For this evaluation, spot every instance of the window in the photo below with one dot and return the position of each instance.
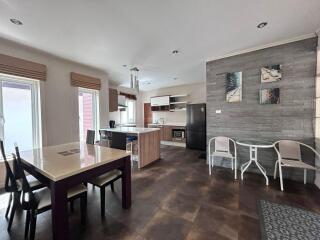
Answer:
(88, 112)
(128, 115)
(20, 114)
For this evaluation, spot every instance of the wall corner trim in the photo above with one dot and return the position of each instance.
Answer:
(274, 44)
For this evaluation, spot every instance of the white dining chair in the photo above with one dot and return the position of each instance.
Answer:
(222, 149)
(289, 155)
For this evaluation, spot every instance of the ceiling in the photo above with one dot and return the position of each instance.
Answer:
(108, 34)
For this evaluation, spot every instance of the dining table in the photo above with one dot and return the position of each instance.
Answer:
(64, 166)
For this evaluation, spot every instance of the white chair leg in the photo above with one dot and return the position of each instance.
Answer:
(235, 168)
(209, 164)
(275, 170)
(304, 176)
(280, 176)
(232, 164)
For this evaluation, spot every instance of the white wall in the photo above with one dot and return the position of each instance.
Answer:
(196, 94)
(59, 100)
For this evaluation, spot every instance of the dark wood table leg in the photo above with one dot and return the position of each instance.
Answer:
(126, 183)
(60, 227)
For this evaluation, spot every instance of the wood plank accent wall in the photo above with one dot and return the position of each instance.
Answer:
(80, 80)
(291, 119)
(22, 68)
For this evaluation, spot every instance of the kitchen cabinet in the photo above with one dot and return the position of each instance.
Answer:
(160, 101)
(167, 132)
(161, 130)
(113, 100)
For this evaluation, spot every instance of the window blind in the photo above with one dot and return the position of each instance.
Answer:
(22, 68)
(80, 80)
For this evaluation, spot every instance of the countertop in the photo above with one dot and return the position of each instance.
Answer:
(168, 124)
(135, 130)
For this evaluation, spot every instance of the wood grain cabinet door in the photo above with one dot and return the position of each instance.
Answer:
(167, 133)
(113, 100)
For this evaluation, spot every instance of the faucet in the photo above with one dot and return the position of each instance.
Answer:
(161, 120)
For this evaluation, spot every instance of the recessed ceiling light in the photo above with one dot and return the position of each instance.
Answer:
(175, 52)
(262, 25)
(16, 21)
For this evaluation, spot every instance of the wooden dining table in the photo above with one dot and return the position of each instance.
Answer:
(63, 166)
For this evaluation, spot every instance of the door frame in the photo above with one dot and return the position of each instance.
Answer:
(35, 107)
(95, 107)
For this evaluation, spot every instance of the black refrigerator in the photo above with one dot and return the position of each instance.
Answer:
(196, 126)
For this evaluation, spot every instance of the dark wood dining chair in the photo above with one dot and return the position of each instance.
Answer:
(104, 180)
(37, 202)
(90, 137)
(11, 186)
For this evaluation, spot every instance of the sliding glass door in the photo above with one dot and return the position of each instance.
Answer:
(88, 112)
(19, 113)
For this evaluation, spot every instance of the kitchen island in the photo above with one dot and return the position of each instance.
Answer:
(148, 142)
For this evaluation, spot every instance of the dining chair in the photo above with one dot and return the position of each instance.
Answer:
(39, 201)
(289, 155)
(90, 137)
(104, 180)
(105, 138)
(222, 149)
(11, 186)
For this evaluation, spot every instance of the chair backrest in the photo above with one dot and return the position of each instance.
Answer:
(105, 134)
(222, 144)
(290, 149)
(119, 140)
(10, 180)
(28, 199)
(90, 137)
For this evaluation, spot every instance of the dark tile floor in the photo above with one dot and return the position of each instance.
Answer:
(175, 198)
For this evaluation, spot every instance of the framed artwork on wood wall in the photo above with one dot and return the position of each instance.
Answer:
(270, 96)
(271, 73)
(234, 87)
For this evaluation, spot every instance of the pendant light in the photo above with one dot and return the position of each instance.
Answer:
(134, 81)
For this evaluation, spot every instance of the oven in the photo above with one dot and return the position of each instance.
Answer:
(178, 134)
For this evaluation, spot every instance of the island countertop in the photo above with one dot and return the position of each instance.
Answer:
(134, 130)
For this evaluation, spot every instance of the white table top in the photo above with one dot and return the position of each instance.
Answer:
(135, 130)
(62, 161)
(255, 143)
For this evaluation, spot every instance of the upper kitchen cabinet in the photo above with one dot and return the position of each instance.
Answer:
(161, 103)
(113, 100)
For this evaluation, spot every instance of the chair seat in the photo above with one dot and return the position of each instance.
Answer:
(222, 154)
(33, 182)
(296, 164)
(44, 195)
(105, 178)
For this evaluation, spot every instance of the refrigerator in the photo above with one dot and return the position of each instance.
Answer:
(196, 126)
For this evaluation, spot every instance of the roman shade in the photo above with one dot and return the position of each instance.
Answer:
(22, 68)
(128, 96)
(79, 80)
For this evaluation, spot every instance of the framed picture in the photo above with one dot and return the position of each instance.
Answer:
(271, 73)
(234, 87)
(270, 96)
